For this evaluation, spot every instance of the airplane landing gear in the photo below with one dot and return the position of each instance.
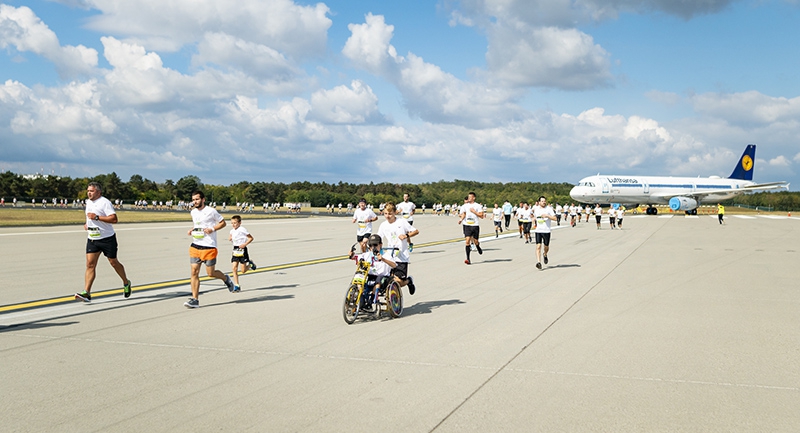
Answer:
(651, 211)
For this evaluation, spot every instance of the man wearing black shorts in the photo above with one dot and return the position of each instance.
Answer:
(471, 214)
(100, 215)
(543, 214)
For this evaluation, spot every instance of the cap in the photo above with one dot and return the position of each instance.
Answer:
(374, 240)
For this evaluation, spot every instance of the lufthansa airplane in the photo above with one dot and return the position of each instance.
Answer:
(681, 193)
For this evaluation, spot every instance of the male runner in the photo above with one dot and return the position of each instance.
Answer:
(543, 214)
(471, 214)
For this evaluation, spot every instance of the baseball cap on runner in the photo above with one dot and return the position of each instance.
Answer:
(374, 240)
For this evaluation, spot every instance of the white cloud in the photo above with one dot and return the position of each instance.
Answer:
(546, 57)
(251, 58)
(747, 107)
(780, 161)
(21, 29)
(428, 92)
(295, 30)
(345, 105)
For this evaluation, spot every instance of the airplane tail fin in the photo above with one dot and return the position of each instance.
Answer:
(744, 168)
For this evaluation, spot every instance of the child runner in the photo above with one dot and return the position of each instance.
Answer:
(240, 238)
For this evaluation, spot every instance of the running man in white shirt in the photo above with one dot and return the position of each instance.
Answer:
(543, 214)
(406, 209)
(598, 214)
(364, 218)
(207, 221)
(497, 217)
(100, 215)
(471, 214)
(524, 214)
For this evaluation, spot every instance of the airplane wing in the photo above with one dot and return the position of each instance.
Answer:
(707, 192)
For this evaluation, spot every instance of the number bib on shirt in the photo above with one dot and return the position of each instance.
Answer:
(198, 233)
(362, 224)
(238, 252)
(94, 233)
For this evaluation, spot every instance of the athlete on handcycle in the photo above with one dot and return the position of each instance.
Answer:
(380, 271)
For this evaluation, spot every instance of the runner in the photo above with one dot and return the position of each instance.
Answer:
(543, 214)
(497, 217)
(471, 214)
(407, 209)
(207, 221)
(525, 213)
(364, 218)
(396, 234)
(240, 257)
(598, 214)
(100, 215)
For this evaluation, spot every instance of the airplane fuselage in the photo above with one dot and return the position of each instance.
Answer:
(605, 189)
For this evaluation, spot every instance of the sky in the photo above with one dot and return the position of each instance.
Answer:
(406, 92)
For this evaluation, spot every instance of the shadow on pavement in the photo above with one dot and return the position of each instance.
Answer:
(428, 307)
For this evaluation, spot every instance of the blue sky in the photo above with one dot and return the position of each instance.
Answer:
(415, 91)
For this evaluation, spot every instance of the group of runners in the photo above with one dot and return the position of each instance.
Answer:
(389, 249)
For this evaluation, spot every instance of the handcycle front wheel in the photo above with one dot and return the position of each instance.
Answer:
(350, 308)
(394, 299)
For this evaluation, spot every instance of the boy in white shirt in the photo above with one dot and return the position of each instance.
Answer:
(240, 238)
(380, 267)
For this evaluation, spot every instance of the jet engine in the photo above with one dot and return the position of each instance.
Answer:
(682, 203)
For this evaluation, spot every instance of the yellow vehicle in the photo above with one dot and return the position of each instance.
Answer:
(362, 298)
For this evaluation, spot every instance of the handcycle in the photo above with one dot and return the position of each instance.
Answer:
(362, 297)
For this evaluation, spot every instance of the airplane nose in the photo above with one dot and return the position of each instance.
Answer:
(575, 193)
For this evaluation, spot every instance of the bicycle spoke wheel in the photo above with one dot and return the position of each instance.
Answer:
(350, 308)
(394, 300)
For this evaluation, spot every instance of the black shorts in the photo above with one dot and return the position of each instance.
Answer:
(526, 227)
(472, 232)
(360, 238)
(401, 270)
(543, 238)
(108, 246)
(498, 223)
(597, 218)
(243, 259)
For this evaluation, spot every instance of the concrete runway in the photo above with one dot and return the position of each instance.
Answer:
(672, 324)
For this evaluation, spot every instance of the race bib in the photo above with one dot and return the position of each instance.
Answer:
(362, 224)
(198, 233)
(94, 232)
(406, 215)
(540, 220)
(238, 252)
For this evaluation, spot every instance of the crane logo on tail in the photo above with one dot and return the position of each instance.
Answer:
(747, 163)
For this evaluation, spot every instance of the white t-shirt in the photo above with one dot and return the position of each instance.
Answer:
(497, 214)
(363, 219)
(524, 215)
(471, 218)
(208, 217)
(239, 236)
(542, 224)
(395, 249)
(99, 229)
(405, 208)
(378, 268)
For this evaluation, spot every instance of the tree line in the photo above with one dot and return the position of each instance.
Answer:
(318, 194)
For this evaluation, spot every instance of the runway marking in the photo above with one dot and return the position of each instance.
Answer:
(416, 363)
(745, 217)
(665, 216)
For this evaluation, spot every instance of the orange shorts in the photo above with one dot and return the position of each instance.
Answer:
(205, 255)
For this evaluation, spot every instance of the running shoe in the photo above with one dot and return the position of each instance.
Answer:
(253, 266)
(480, 250)
(410, 247)
(538, 266)
(466, 261)
(496, 235)
(411, 287)
(192, 303)
(545, 259)
(236, 289)
(126, 289)
(84, 296)
(229, 283)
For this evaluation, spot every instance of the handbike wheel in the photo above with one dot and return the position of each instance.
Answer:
(394, 300)
(350, 308)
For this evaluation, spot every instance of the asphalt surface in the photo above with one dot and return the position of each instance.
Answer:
(672, 324)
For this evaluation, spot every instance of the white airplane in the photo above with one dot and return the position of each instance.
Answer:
(681, 193)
